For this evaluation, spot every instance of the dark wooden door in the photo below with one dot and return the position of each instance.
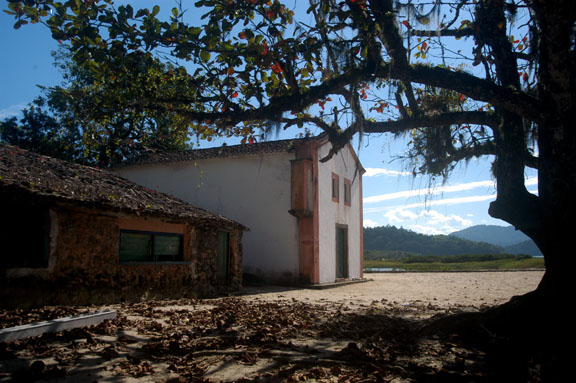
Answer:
(223, 258)
(341, 251)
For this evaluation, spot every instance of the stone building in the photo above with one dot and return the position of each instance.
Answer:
(81, 235)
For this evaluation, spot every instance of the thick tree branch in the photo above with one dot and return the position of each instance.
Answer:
(423, 121)
(466, 152)
(479, 89)
(273, 110)
(392, 40)
(483, 90)
(510, 99)
(531, 161)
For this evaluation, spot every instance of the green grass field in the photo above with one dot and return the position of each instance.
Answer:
(458, 263)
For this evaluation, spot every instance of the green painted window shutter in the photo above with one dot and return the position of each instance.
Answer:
(167, 247)
(135, 247)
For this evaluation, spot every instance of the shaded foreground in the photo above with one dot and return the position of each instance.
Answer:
(260, 339)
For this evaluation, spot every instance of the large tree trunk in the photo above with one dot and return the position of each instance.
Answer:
(557, 143)
(546, 219)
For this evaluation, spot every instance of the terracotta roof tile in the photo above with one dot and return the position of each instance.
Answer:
(264, 147)
(23, 172)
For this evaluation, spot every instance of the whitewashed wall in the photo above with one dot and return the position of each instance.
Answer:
(252, 190)
(331, 213)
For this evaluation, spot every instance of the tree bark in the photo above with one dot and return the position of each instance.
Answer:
(557, 141)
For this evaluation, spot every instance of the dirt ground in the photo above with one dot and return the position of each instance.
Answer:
(440, 289)
(362, 332)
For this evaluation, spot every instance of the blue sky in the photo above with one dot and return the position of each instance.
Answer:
(392, 196)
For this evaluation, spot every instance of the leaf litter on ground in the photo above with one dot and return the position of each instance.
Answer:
(240, 340)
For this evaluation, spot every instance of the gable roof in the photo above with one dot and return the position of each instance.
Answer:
(24, 172)
(226, 151)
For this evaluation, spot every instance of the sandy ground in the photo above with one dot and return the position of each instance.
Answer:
(441, 289)
(266, 334)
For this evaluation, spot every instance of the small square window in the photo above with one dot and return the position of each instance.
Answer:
(335, 187)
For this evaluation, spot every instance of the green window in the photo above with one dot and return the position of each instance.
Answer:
(138, 246)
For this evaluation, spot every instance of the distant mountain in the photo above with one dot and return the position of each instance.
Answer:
(392, 241)
(526, 247)
(496, 235)
(513, 241)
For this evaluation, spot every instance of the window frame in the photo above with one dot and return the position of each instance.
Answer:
(347, 192)
(152, 258)
(335, 190)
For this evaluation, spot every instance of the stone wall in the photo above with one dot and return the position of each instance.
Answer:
(84, 267)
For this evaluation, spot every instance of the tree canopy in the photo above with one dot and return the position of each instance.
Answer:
(253, 63)
(356, 67)
(72, 122)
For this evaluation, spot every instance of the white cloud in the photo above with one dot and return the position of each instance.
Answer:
(433, 191)
(372, 172)
(439, 219)
(371, 223)
(427, 221)
(455, 201)
(432, 217)
(426, 230)
(531, 181)
(395, 211)
(12, 111)
(400, 215)
(389, 196)
(444, 201)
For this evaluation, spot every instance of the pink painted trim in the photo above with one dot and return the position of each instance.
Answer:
(316, 215)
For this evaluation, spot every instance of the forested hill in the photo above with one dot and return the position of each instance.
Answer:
(392, 241)
(497, 235)
(513, 241)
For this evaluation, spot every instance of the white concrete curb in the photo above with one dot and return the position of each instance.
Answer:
(56, 325)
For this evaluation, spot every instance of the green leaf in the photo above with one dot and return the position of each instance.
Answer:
(205, 56)
(19, 23)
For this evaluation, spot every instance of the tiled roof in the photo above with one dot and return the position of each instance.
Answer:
(25, 172)
(264, 147)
